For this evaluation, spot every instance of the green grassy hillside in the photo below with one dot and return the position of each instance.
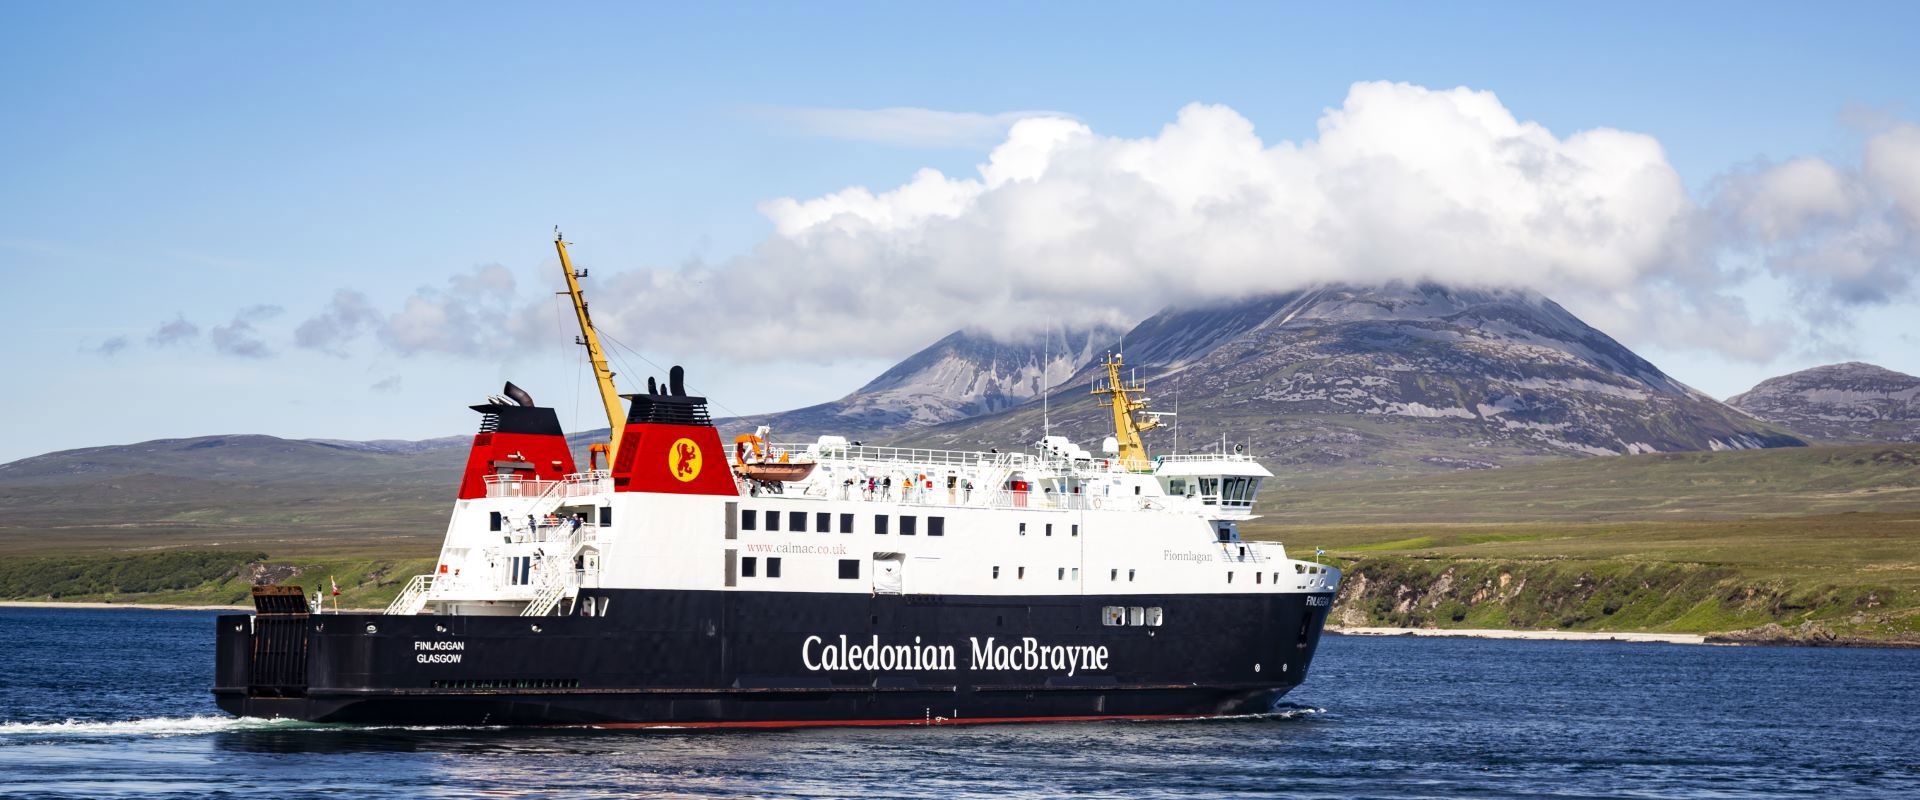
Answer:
(1822, 541)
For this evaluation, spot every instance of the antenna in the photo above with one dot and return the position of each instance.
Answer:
(1176, 415)
(1046, 382)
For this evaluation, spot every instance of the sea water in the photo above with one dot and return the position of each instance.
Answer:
(114, 703)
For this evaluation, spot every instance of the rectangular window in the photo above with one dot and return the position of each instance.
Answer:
(1023, 529)
(1155, 617)
(1023, 574)
(909, 525)
(1229, 576)
(849, 569)
(1076, 530)
(493, 520)
(773, 567)
(936, 526)
(996, 573)
(749, 520)
(773, 520)
(1136, 615)
(1049, 529)
(880, 524)
(1259, 577)
(606, 521)
(749, 567)
(1129, 576)
(1114, 575)
(846, 523)
(732, 561)
(823, 522)
(1111, 616)
(1062, 576)
(1076, 573)
(797, 521)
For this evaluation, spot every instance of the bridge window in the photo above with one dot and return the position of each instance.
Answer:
(748, 520)
(797, 521)
(936, 526)
(773, 567)
(750, 567)
(849, 569)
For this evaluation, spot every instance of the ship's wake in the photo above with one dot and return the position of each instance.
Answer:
(149, 726)
(159, 727)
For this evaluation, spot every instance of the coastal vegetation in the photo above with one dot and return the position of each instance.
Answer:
(1802, 544)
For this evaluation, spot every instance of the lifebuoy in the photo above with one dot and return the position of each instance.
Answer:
(740, 445)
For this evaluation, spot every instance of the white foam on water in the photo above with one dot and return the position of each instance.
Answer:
(150, 726)
(190, 726)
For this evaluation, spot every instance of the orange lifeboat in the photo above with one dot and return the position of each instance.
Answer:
(750, 461)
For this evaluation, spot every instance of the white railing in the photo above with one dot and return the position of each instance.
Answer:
(869, 454)
(579, 484)
(1191, 457)
(413, 598)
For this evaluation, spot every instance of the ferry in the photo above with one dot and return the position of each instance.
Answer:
(678, 582)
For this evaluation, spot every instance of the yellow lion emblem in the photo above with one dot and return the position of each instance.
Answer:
(683, 460)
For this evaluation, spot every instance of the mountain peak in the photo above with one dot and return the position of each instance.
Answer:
(1847, 402)
(1400, 377)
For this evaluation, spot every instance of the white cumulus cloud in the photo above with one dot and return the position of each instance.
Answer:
(1401, 183)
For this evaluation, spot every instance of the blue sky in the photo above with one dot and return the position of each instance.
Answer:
(190, 162)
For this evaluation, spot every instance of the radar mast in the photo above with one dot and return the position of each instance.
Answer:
(1128, 403)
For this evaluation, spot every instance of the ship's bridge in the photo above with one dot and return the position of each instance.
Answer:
(1229, 481)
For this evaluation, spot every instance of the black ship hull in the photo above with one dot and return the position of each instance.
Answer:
(694, 659)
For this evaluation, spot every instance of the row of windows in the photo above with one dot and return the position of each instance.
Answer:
(1020, 574)
(796, 522)
(1113, 616)
(1061, 573)
(750, 567)
(1049, 528)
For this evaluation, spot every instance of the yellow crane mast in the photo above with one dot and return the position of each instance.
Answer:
(1127, 403)
(610, 397)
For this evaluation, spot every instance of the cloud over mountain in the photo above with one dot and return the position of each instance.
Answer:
(1401, 183)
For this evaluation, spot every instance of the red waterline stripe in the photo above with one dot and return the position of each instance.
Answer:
(884, 723)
